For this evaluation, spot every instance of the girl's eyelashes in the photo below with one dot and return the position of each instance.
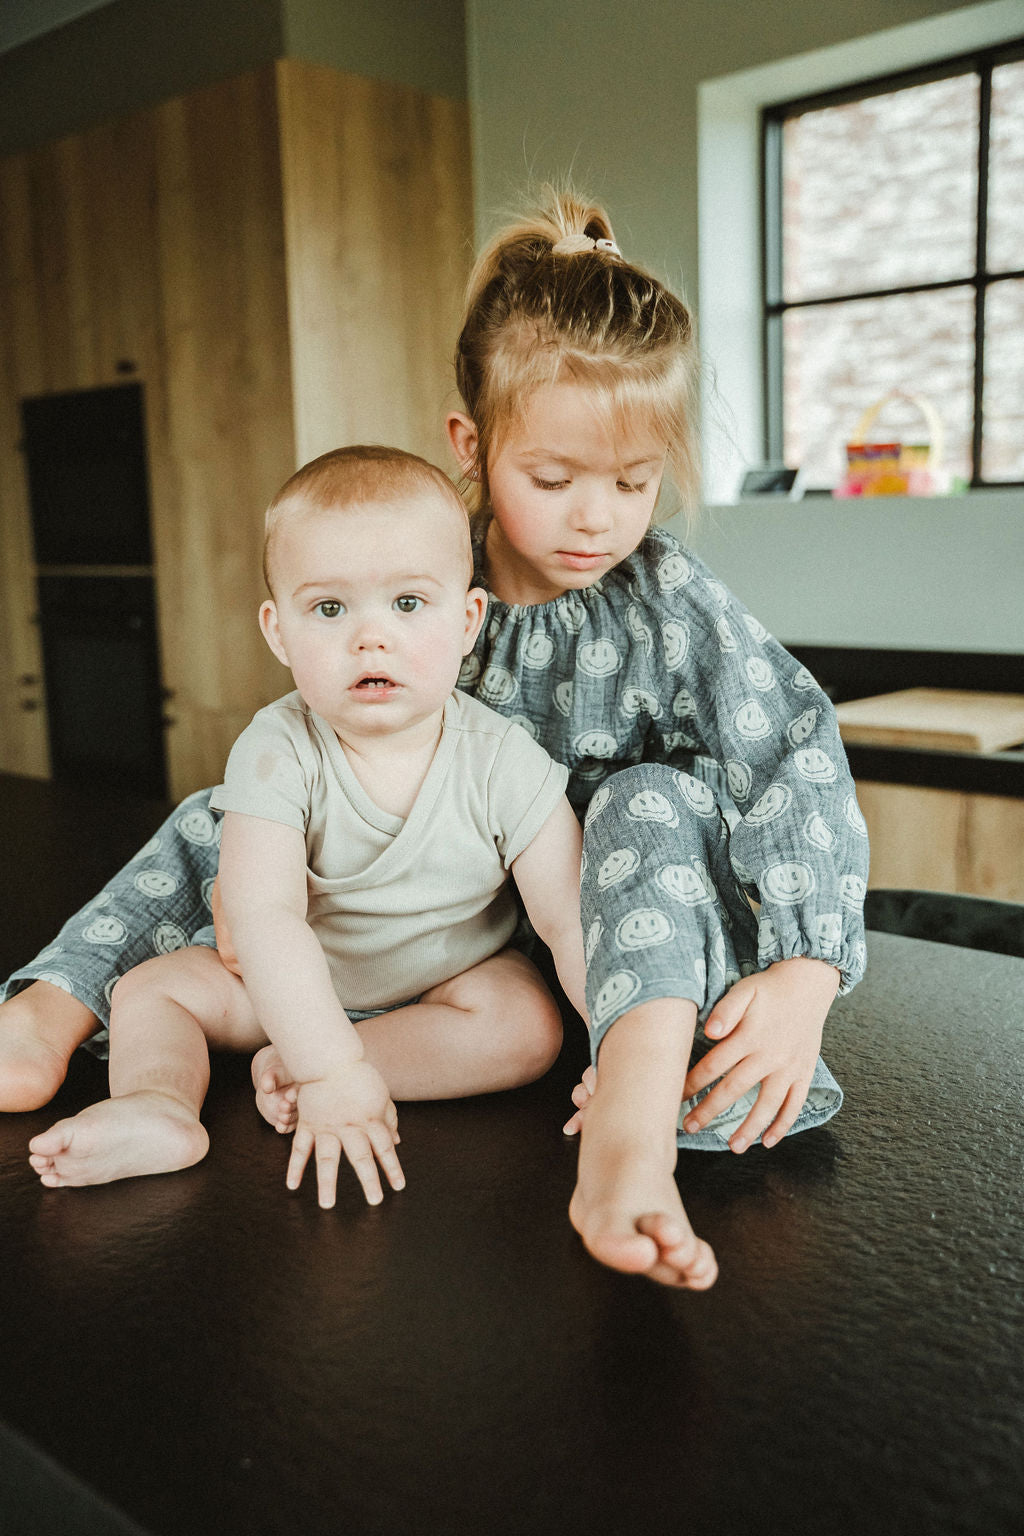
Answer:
(635, 488)
(548, 485)
(329, 608)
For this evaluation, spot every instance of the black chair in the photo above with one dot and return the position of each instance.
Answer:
(972, 922)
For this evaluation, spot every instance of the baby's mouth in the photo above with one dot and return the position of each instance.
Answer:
(374, 682)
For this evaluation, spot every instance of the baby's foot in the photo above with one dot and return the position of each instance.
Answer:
(277, 1094)
(119, 1139)
(39, 1029)
(628, 1211)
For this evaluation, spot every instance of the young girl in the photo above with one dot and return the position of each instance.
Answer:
(724, 854)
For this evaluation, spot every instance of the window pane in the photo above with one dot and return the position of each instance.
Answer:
(882, 192)
(1006, 170)
(840, 358)
(1003, 400)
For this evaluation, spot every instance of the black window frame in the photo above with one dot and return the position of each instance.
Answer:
(979, 61)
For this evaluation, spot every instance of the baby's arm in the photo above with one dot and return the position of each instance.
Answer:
(547, 874)
(343, 1102)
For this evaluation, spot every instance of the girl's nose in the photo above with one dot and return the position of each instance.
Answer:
(592, 513)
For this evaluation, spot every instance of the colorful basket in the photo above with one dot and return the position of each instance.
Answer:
(875, 468)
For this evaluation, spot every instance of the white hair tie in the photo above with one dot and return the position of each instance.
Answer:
(577, 245)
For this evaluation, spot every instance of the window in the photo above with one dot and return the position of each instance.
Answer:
(894, 260)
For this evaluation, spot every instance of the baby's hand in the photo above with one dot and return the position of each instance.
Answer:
(349, 1110)
(276, 1090)
(581, 1097)
(768, 1026)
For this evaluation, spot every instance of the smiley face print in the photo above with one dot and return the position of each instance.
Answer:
(617, 993)
(755, 628)
(692, 885)
(596, 744)
(852, 890)
(156, 882)
(828, 929)
(800, 729)
(649, 805)
(684, 705)
(640, 631)
(675, 637)
(469, 672)
(854, 816)
(773, 803)
(598, 658)
(700, 797)
(643, 928)
(639, 701)
(168, 937)
(105, 930)
(802, 679)
(618, 866)
(593, 939)
(740, 778)
(198, 826)
(751, 721)
(538, 651)
(673, 571)
(815, 766)
(759, 674)
(497, 686)
(571, 613)
(147, 850)
(818, 833)
(726, 638)
(789, 883)
(597, 804)
(563, 699)
(717, 591)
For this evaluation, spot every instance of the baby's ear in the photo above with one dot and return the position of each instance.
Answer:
(272, 631)
(463, 436)
(476, 607)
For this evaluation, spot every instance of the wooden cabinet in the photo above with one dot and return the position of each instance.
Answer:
(279, 260)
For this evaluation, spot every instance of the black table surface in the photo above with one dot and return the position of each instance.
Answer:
(206, 1353)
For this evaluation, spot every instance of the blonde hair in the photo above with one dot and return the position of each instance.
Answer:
(546, 303)
(356, 476)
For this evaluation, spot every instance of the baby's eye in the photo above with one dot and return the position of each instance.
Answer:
(548, 485)
(407, 603)
(330, 608)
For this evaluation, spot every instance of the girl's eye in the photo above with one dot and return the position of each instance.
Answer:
(635, 488)
(407, 603)
(330, 608)
(548, 485)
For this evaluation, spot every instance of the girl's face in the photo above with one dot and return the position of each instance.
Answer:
(569, 500)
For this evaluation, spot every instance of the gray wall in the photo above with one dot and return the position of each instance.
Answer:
(608, 88)
(135, 53)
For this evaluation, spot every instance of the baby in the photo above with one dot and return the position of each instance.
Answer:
(371, 819)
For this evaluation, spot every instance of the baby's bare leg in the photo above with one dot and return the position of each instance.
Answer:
(40, 1027)
(163, 1015)
(492, 1027)
(626, 1205)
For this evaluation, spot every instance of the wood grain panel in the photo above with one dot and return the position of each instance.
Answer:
(377, 205)
(943, 840)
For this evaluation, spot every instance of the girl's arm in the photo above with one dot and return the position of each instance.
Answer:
(547, 874)
(343, 1104)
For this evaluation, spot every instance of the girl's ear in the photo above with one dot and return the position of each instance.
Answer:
(476, 607)
(462, 435)
(272, 631)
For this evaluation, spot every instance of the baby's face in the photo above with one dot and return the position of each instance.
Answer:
(371, 612)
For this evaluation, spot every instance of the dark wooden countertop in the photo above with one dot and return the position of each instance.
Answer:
(209, 1354)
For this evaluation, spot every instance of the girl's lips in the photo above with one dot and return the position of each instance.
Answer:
(576, 560)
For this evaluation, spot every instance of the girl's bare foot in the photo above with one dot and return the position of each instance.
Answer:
(119, 1138)
(40, 1027)
(277, 1095)
(628, 1211)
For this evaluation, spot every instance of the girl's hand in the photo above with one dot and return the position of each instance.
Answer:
(768, 1026)
(349, 1110)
